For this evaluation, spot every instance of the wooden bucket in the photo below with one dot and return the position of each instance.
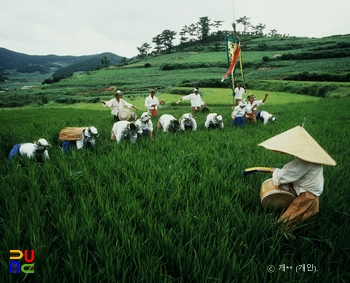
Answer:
(273, 197)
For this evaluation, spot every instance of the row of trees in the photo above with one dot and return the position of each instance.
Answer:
(189, 33)
(200, 31)
(257, 30)
(163, 41)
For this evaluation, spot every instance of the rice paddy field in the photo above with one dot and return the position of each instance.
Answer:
(174, 208)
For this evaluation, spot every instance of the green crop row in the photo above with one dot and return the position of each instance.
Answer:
(172, 209)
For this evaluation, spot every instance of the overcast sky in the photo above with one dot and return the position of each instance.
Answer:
(84, 27)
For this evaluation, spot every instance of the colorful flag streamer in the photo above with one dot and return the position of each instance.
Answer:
(233, 50)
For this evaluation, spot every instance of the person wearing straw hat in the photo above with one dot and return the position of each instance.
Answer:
(145, 124)
(196, 100)
(151, 103)
(116, 104)
(305, 172)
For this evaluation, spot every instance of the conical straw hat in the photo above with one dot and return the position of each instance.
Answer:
(298, 142)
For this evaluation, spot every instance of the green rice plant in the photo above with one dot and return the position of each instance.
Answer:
(174, 208)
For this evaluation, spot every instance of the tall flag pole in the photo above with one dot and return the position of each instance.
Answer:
(233, 51)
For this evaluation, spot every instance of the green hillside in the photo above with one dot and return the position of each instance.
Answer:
(24, 63)
(18, 69)
(91, 63)
(312, 66)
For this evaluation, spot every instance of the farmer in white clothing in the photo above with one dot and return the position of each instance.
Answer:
(238, 93)
(78, 137)
(238, 114)
(305, 172)
(151, 103)
(38, 149)
(124, 129)
(252, 107)
(265, 117)
(168, 123)
(214, 120)
(196, 100)
(187, 121)
(116, 104)
(145, 124)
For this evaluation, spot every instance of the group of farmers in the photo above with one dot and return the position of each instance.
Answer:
(122, 114)
(247, 110)
(242, 110)
(304, 173)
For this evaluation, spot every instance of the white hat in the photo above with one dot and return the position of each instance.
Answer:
(118, 92)
(298, 142)
(196, 89)
(144, 117)
(42, 143)
(217, 118)
(91, 131)
(242, 103)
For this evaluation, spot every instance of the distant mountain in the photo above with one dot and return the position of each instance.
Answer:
(48, 64)
(88, 64)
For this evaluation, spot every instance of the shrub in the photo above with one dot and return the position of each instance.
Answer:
(265, 59)
(94, 100)
(306, 76)
(44, 100)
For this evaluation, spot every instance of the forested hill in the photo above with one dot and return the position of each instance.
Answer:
(48, 64)
(92, 63)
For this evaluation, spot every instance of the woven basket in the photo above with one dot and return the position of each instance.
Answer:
(71, 133)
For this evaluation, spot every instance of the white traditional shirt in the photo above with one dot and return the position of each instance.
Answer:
(305, 176)
(210, 121)
(30, 150)
(117, 106)
(119, 131)
(238, 112)
(144, 125)
(265, 116)
(187, 120)
(239, 92)
(196, 99)
(85, 140)
(164, 120)
(149, 101)
(253, 106)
